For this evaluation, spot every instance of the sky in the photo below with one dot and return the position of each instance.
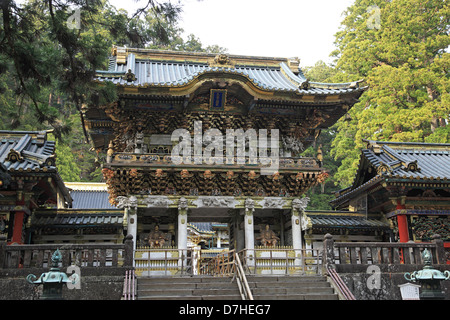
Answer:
(268, 28)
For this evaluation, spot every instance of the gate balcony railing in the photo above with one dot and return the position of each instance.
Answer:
(281, 260)
(164, 261)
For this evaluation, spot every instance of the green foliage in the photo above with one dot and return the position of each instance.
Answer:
(406, 66)
(66, 163)
(320, 72)
(49, 51)
(320, 195)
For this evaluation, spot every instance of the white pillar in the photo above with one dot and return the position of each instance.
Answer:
(296, 230)
(298, 207)
(182, 231)
(296, 236)
(249, 232)
(131, 215)
(219, 234)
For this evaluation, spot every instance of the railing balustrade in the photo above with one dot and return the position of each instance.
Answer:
(165, 261)
(166, 159)
(223, 264)
(282, 261)
(382, 252)
(241, 279)
(82, 255)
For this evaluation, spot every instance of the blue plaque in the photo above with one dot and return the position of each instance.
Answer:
(218, 98)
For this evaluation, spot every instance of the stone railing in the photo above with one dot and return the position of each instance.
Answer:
(82, 255)
(381, 252)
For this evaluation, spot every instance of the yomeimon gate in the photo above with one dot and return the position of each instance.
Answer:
(168, 100)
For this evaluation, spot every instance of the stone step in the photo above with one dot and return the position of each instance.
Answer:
(208, 285)
(222, 297)
(285, 279)
(165, 292)
(297, 297)
(211, 288)
(291, 288)
(195, 279)
(187, 292)
(280, 290)
(206, 297)
(288, 284)
(187, 288)
(169, 297)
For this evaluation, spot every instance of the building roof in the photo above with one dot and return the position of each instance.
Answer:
(346, 221)
(75, 218)
(202, 227)
(409, 160)
(89, 195)
(29, 152)
(155, 68)
(398, 161)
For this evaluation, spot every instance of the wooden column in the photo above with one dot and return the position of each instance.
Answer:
(402, 223)
(18, 227)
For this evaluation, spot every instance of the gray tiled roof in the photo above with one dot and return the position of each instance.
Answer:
(26, 151)
(424, 162)
(347, 222)
(29, 152)
(175, 74)
(401, 159)
(83, 219)
(90, 200)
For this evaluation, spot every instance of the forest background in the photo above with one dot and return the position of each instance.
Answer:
(50, 49)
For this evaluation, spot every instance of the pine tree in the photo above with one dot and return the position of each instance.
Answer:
(404, 61)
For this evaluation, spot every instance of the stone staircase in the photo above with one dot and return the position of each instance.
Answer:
(291, 288)
(222, 288)
(187, 288)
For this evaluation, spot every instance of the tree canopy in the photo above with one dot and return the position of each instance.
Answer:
(404, 60)
(50, 50)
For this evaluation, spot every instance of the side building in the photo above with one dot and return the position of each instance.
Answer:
(405, 184)
(29, 180)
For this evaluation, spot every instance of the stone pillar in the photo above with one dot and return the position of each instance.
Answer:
(129, 204)
(249, 231)
(129, 251)
(182, 230)
(182, 223)
(296, 230)
(328, 250)
(298, 208)
(219, 233)
(131, 214)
